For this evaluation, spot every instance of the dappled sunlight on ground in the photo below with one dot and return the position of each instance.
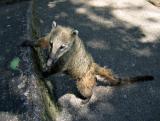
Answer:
(93, 3)
(100, 44)
(147, 18)
(94, 17)
(136, 13)
(52, 4)
(71, 103)
(146, 52)
(9, 116)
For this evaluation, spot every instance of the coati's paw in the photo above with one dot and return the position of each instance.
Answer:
(85, 101)
(27, 43)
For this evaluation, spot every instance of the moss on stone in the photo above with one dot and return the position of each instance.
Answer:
(14, 63)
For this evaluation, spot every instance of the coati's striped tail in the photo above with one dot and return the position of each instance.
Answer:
(124, 80)
(114, 80)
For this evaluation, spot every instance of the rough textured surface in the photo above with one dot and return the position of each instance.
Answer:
(20, 99)
(122, 35)
(11, 1)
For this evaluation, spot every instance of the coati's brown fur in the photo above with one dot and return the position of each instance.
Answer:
(75, 60)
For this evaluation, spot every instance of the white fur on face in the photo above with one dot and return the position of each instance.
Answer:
(54, 24)
(49, 62)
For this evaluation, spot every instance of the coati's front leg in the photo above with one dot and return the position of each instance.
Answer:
(28, 43)
(42, 43)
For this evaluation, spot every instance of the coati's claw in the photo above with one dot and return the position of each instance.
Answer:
(85, 101)
(27, 43)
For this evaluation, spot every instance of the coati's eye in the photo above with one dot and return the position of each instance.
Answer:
(50, 45)
(51, 42)
(62, 47)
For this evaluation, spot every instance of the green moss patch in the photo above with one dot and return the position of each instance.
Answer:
(14, 64)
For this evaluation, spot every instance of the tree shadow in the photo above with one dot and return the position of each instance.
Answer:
(11, 102)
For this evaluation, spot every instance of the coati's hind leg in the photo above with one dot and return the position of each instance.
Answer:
(85, 86)
(107, 74)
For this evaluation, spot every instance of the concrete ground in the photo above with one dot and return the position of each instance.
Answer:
(123, 35)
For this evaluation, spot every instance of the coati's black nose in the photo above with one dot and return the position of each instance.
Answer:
(51, 60)
(50, 63)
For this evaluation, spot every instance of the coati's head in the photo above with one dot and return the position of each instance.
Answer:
(58, 41)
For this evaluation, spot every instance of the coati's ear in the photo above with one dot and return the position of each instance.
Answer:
(75, 32)
(54, 24)
(43, 42)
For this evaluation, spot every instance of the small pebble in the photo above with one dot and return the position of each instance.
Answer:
(125, 96)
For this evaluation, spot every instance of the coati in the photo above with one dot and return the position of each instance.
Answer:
(67, 54)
